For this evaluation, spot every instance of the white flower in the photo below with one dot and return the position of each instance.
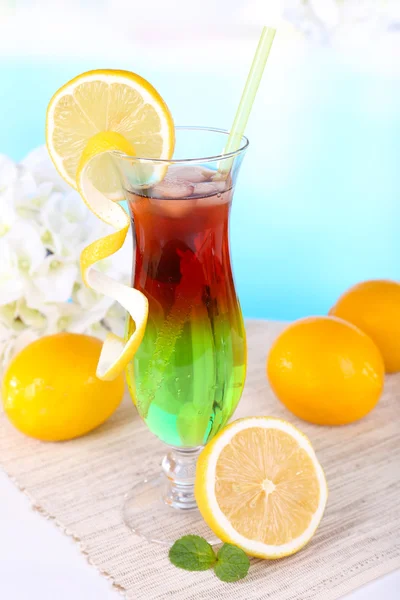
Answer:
(30, 317)
(22, 197)
(24, 241)
(52, 281)
(63, 316)
(34, 181)
(5, 333)
(9, 317)
(66, 218)
(26, 194)
(89, 299)
(38, 162)
(8, 214)
(30, 196)
(8, 314)
(17, 316)
(44, 226)
(8, 172)
(11, 281)
(325, 20)
(30, 207)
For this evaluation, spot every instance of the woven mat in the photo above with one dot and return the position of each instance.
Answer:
(81, 484)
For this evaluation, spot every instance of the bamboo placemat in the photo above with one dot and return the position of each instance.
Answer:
(80, 485)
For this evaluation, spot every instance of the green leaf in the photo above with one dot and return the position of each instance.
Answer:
(193, 553)
(232, 563)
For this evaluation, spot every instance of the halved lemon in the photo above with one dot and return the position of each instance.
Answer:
(90, 119)
(106, 100)
(259, 486)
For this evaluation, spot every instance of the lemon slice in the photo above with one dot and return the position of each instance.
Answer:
(260, 486)
(90, 119)
(106, 100)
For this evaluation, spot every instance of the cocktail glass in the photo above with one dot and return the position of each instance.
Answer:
(188, 374)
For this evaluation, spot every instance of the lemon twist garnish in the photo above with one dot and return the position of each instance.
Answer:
(116, 353)
(89, 119)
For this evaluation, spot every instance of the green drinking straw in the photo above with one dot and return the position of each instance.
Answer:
(248, 95)
(175, 321)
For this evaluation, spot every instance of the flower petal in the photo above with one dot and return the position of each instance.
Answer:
(55, 279)
(31, 317)
(8, 171)
(39, 163)
(24, 240)
(8, 215)
(11, 281)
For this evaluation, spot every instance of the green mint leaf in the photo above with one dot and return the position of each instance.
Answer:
(193, 553)
(232, 563)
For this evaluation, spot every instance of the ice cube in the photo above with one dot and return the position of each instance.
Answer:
(172, 187)
(174, 208)
(208, 188)
(191, 174)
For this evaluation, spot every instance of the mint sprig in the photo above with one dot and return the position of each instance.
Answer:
(194, 553)
(232, 563)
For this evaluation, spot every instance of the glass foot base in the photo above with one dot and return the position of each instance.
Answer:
(148, 513)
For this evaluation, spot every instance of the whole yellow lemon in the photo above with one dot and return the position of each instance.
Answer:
(374, 307)
(326, 371)
(50, 390)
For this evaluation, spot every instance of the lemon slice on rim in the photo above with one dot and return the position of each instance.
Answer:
(89, 119)
(260, 486)
(106, 100)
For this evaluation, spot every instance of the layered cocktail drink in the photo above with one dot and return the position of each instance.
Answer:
(188, 374)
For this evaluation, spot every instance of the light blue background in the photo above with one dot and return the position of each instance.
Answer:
(317, 204)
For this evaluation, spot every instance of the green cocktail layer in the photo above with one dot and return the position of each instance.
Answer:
(188, 374)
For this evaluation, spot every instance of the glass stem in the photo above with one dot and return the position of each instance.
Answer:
(179, 466)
